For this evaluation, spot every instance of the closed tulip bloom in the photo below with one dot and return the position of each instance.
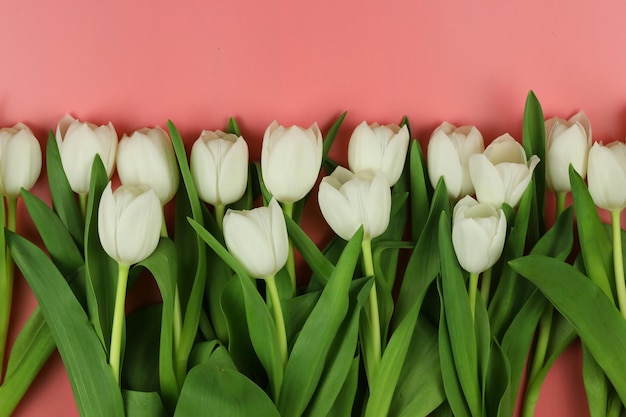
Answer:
(349, 201)
(79, 142)
(20, 159)
(146, 157)
(606, 175)
(567, 142)
(478, 234)
(377, 148)
(291, 158)
(449, 150)
(129, 223)
(501, 174)
(258, 239)
(219, 167)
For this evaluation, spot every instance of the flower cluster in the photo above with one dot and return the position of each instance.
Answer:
(442, 292)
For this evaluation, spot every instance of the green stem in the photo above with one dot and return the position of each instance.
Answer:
(220, 209)
(164, 227)
(618, 265)
(485, 286)
(82, 202)
(291, 263)
(471, 292)
(560, 204)
(279, 320)
(118, 320)
(373, 352)
(538, 362)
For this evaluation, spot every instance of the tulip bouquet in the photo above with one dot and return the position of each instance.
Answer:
(442, 290)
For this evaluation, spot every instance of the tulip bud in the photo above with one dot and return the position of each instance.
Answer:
(478, 233)
(20, 159)
(501, 174)
(449, 150)
(219, 167)
(349, 201)
(258, 239)
(147, 158)
(79, 142)
(377, 148)
(290, 160)
(129, 223)
(567, 142)
(606, 175)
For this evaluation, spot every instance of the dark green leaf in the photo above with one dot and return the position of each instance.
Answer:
(329, 139)
(141, 359)
(233, 127)
(143, 404)
(95, 390)
(419, 190)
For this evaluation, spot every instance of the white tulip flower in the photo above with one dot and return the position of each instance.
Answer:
(501, 174)
(449, 150)
(129, 223)
(377, 148)
(606, 175)
(219, 167)
(20, 160)
(258, 239)
(291, 159)
(349, 201)
(146, 157)
(79, 142)
(567, 142)
(478, 234)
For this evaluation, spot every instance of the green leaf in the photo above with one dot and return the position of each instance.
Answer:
(343, 405)
(101, 268)
(162, 264)
(309, 353)
(233, 127)
(459, 320)
(338, 368)
(420, 387)
(597, 386)
(141, 359)
(497, 381)
(214, 391)
(30, 351)
(329, 139)
(595, 243)
(534, 141)
(57, 239)
(143, 404)
(419, 189)
(95, 390)
(63, 198)
(191, 310)
(575, 296)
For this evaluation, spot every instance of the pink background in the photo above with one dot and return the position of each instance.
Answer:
(138, 63)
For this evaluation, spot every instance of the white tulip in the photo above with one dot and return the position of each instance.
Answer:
(146, 157)
(258, 239)
(606, 175)
(478, 234)
(20, 159)
(349, 201)
(129, 223)
(79, 142)
(377, 148)
(449, 150)
(501, 174)
(567, 142)
(290, 160)
(219, 167)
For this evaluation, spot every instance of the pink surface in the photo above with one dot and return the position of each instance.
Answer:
(138, 63)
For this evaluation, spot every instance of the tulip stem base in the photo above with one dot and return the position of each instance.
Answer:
(220, 209)
(485, 286)
(279, 320)
(82, 203)
(471, 292)
(560, 204)
(118, 320)
(618, 264)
